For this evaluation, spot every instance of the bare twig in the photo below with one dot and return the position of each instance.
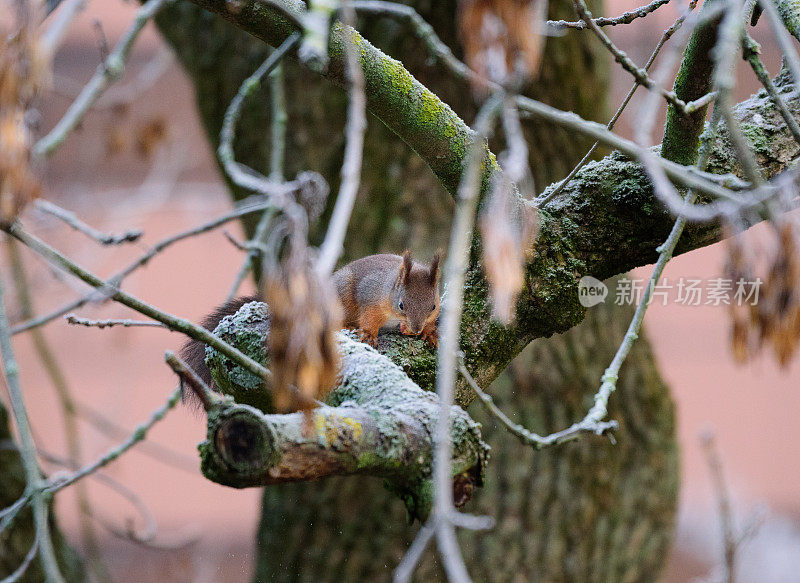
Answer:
(540, 202)
(425, 32)
(89, 323)
(783, 37)
(245, 207)
(687, 176)
(528, 437)
(207, 397)
(278, 121)
(68, 410)
(73, 221)
(726, 53)
(19, 572)
(624, 18)
(639, 74)
(405, 569)
(239, 174)
(138, 435)
(331, 247)
(152, 449)
(27, 451)
(124, 93)
(174, 323)
(441, 521)
(52, 37)
(729, 536)
(751, 52)
(108, 72)
(703, 182)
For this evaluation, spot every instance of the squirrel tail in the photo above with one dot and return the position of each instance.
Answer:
(193, 352)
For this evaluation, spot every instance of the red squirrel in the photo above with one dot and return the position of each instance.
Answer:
(375, 291)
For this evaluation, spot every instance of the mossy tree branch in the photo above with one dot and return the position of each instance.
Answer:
(682, 132)
(377, 422)
(607, 221)
(394, 96)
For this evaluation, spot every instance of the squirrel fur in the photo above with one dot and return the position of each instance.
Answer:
(375, 292)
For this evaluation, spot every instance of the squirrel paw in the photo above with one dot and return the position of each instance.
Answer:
(431, 337)
(369, 338)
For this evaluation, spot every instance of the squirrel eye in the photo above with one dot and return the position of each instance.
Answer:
(400, 305)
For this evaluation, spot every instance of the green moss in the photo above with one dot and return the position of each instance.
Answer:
(789, 11)
(247, 330)
(757, 137)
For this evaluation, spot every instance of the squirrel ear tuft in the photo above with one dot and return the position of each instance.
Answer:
(405, 268)
(434, 270)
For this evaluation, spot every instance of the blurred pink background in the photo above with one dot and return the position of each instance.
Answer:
(752, 409)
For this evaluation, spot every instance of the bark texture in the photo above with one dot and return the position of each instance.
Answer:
(585, 511)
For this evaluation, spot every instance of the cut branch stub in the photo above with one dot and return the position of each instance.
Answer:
(377, 422)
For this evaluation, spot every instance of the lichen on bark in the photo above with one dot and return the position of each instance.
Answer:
(375, 421)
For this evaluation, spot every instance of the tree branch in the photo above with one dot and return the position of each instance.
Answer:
(606, 221)
(376, 422)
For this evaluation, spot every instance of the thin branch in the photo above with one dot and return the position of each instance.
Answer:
(704, 182)
(639, 74)
(27, 450)
(124, 93)
(726, 53)
(452, 305)
(73, 221)
(278, 121)
(540, 202)
(245, 207)
(426, 33)
(68, 410)
(405, 570)
(174, 323)
(729, 537)
(19, 572)
(107, 72)
(624, 18)
(457, 258)
(528, 437)
(51, 38)
(332, 247)
(89, 323)
(239, 174)
(138, 435)
(783, 37)
(609, 379)
(751, 52)
(152, 449)
(207, 397)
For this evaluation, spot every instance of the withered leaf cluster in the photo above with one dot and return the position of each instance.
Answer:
(502, 39)
(305, 315)
(508, 230)
(23, 68)
(773, 320)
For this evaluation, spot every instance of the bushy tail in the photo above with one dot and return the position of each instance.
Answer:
(194, 351)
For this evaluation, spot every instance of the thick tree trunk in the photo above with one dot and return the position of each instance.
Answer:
(584, 511)
(16, 541)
